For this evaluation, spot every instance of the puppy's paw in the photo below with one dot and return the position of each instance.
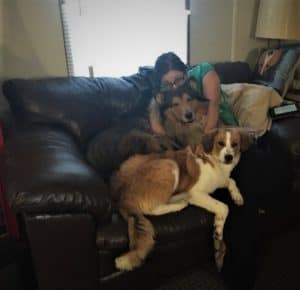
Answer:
(238, 199)
(123, 263)
(220, 219)
(220, 251)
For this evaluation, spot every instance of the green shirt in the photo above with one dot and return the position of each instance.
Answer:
(225, 112)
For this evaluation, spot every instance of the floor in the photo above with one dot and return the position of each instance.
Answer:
(280, 270)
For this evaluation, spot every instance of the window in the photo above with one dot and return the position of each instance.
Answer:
(115, 37)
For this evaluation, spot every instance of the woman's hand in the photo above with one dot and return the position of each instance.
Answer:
(155, 120)
(157, 127)
(211, 90)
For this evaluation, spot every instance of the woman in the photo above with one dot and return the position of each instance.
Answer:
(171, 72)
(242, 229)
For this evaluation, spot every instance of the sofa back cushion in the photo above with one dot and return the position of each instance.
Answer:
(233, 72)
(85, 106)
(81, 105)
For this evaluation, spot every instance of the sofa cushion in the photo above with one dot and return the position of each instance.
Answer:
(188, 223)
(233, 72)
(81, 105)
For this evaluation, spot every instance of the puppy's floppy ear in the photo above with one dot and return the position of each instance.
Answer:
(191, 163)
(159, 97)
(247, 139)
(208, 140)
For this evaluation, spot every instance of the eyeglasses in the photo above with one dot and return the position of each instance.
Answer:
(168, 86)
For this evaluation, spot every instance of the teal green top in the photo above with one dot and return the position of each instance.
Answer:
(225, 112)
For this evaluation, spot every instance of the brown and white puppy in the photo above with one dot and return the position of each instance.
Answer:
(147, 185)
(223, 147)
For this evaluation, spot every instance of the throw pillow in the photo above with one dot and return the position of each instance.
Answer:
(276, 68)
(250, 104)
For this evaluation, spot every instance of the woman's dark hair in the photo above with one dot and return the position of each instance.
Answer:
(166, 62)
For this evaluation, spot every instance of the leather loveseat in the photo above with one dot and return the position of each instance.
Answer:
(64, 205)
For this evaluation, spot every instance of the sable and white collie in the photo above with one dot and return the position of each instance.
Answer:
(161, 183)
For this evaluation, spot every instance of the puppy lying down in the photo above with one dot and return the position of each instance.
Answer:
(161, 183)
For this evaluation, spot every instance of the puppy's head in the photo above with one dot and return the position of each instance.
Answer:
(226, 144)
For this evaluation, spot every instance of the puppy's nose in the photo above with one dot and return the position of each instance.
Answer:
(189, 115)
(228, 158)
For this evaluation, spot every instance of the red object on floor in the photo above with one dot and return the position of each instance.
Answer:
(9, 217)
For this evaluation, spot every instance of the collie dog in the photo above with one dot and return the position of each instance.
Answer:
(181, 112)
(161, 183)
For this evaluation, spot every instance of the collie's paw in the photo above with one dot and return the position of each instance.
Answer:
(123, 263)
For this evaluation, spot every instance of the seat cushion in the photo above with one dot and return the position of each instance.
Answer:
(188, 223)
(184, 237)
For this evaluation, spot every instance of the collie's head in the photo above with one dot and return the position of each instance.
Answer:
(182, 105)
(226, 144)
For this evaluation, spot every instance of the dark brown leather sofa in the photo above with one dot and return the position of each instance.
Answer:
(64, 205)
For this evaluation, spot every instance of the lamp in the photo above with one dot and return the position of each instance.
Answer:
(278, 19)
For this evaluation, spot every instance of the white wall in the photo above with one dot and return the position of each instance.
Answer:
(31, 42)
(223, 30)
(1, 36)
(4, 108)
(33, 39)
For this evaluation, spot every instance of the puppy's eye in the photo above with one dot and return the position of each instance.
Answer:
(175, 104)
(221, 143)
(189, 99)
(233, 145)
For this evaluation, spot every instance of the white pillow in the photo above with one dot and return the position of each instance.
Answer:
(250, 104)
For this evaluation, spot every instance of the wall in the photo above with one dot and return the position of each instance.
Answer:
(33, 40)
(223, 30)
(3, 104)
(1, 35)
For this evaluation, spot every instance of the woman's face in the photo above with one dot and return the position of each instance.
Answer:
(172, 80)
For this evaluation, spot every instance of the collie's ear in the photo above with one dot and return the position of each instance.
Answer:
(208, 140)
(192, 83)
(189, 149)
(159, 98)
(247, 139)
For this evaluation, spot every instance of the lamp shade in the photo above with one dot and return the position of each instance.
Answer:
(278, 19)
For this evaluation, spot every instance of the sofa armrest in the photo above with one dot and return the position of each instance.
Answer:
(45, 172)
(63, 250)
(288, 131)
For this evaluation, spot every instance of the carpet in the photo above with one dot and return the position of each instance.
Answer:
(206, 278)
(280, 267)
(279, 270)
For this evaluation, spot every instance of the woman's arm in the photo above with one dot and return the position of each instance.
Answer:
(155, 120)
(211, 90)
